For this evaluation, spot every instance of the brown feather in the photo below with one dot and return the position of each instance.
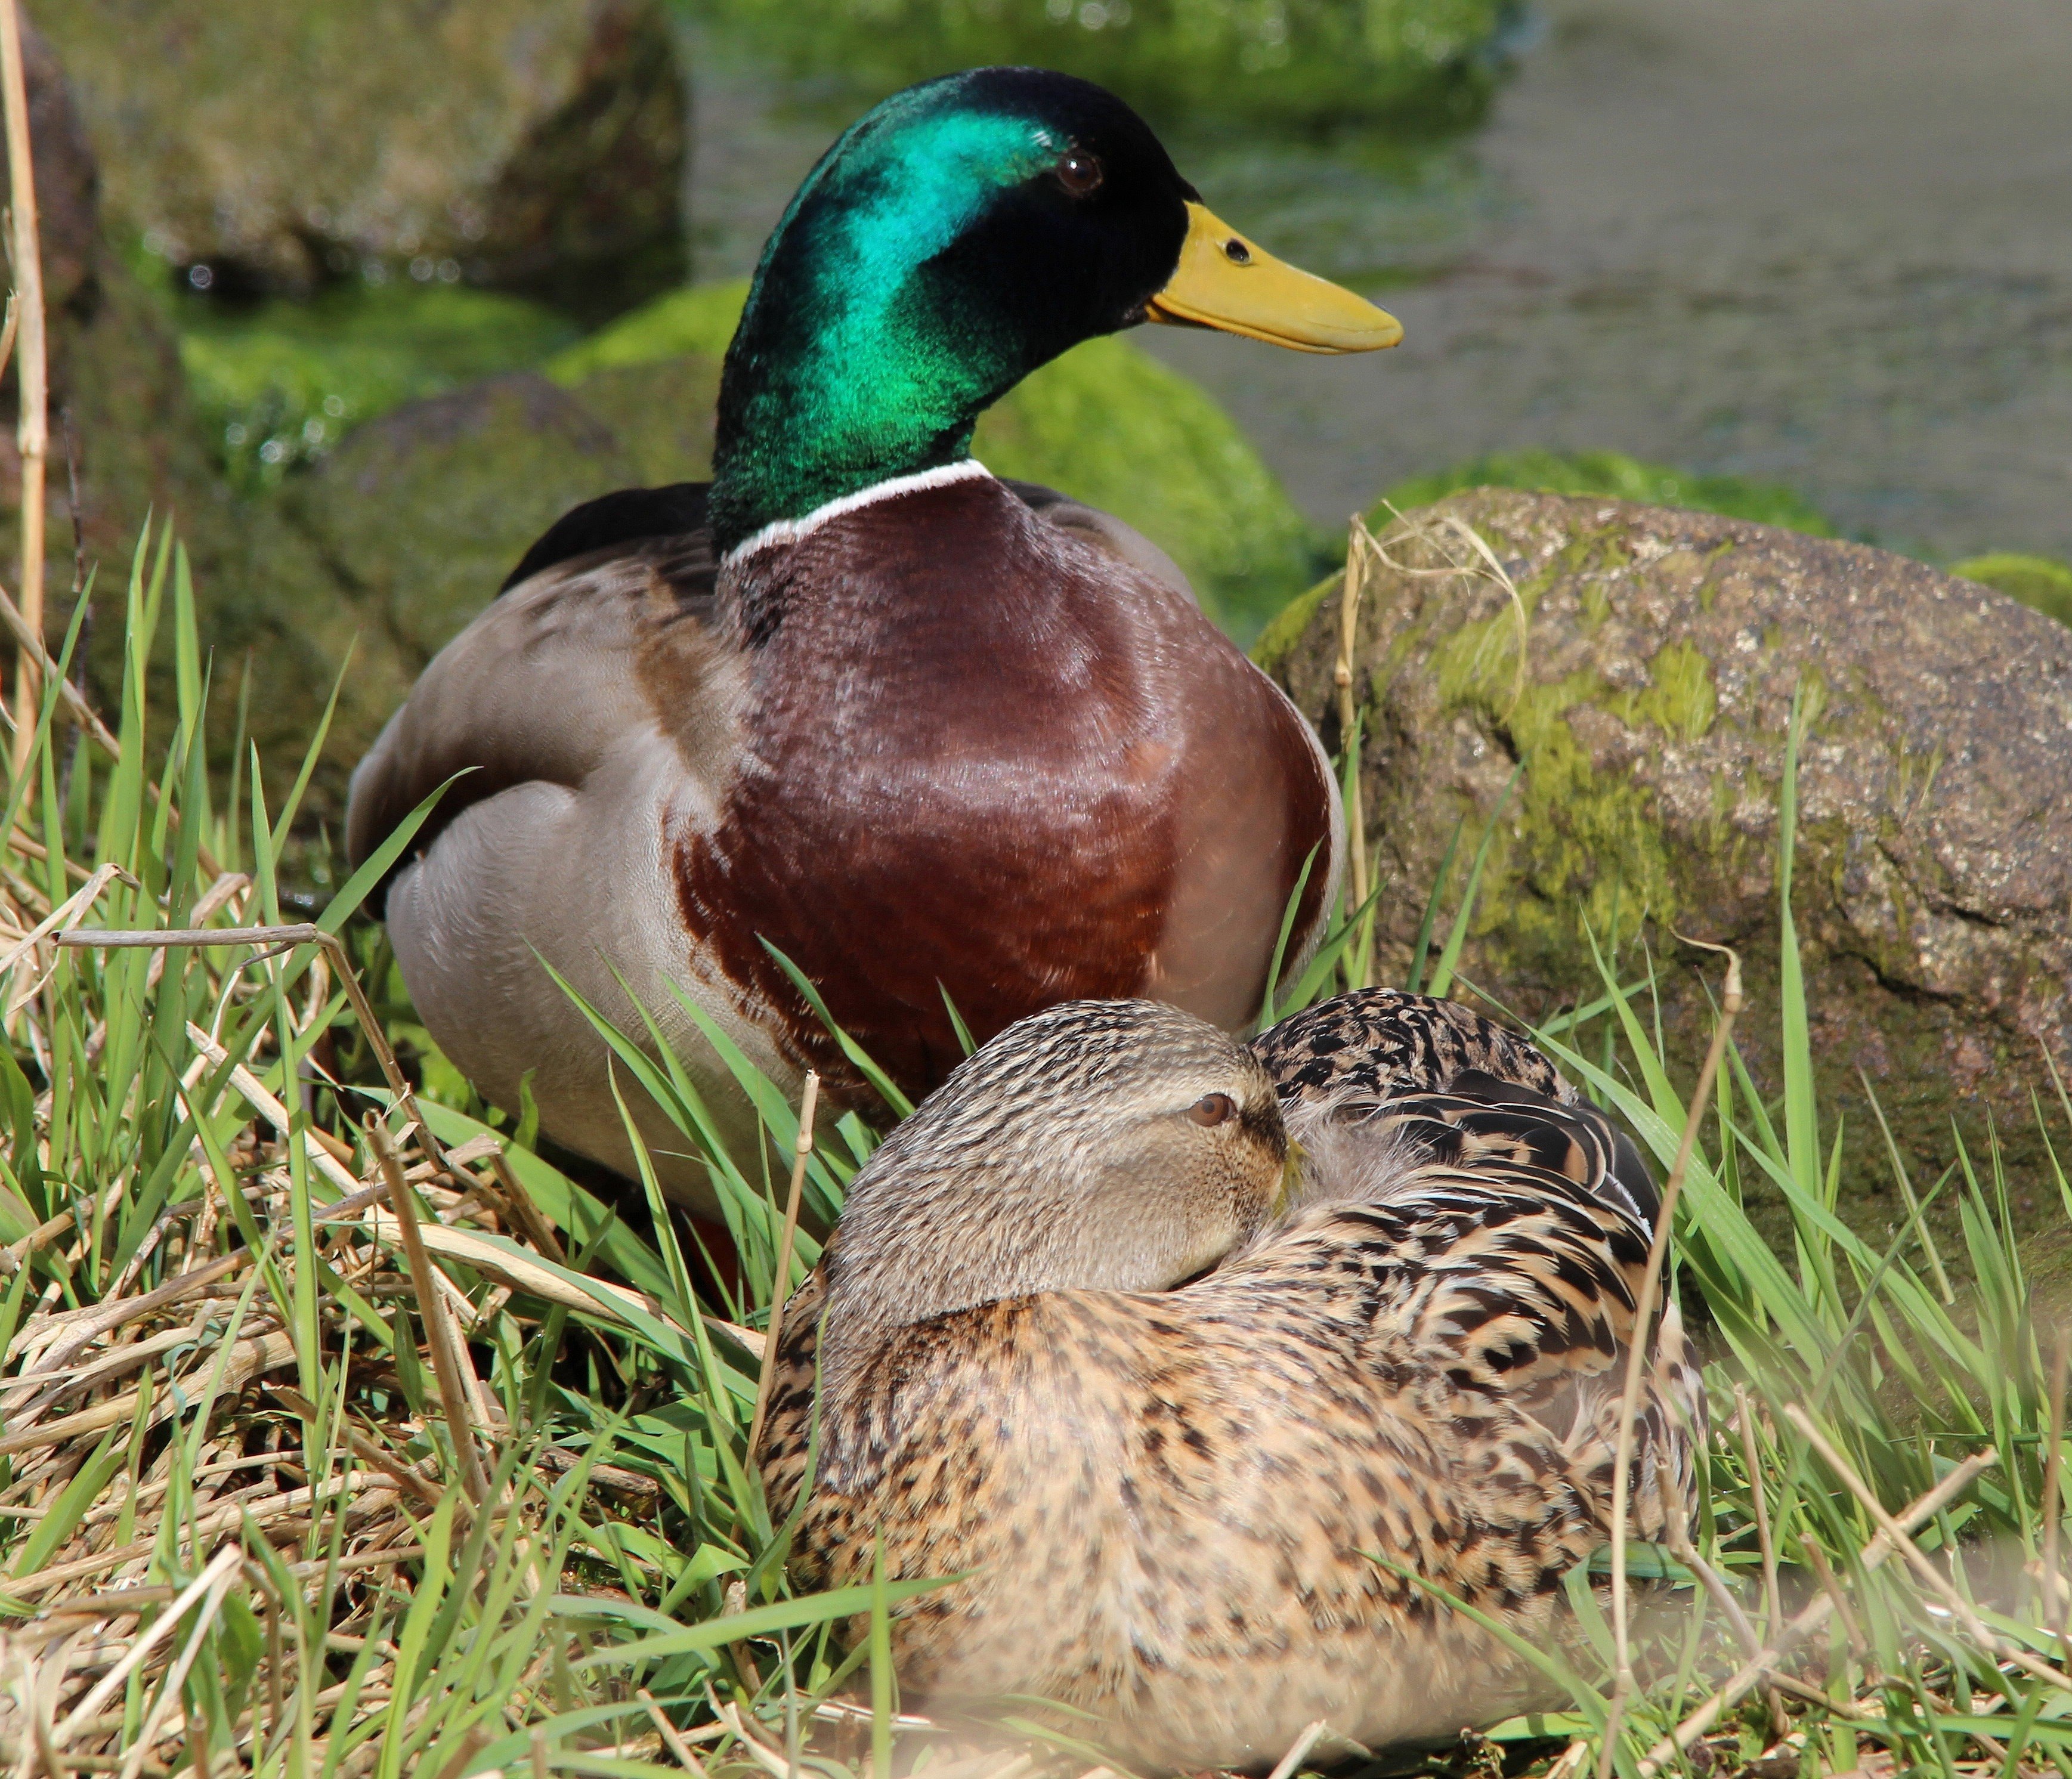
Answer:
(1210, 1515)
(1045, 779)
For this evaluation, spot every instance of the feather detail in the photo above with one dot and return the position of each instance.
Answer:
(1170, 1505)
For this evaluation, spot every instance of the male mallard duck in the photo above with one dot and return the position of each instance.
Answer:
(1168, 1486)
(925, 733)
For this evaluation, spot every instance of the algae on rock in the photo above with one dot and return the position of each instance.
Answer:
(421, 514)
(1638, 691)
(280, 383)
(2036, 580)
(525, 144)
(1622, 478)
(122, 419)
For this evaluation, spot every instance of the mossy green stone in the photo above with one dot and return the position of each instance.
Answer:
(421, 514)
(2038, 582)
(1617, 730)
(1622, 477)
(529, 144)
(281, 383)
(660, 415)
(1423, 63)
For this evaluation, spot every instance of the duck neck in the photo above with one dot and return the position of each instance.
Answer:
(879, 325)
(823, 423)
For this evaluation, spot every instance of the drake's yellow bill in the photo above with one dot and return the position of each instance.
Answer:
(1224, 281)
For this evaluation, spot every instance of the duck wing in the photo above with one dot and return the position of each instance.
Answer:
(1504, 1221)
(545, 684)
(1379, 1068)
(1380, 1043)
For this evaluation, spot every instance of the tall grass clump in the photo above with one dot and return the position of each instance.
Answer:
(346, 1434)
(342, 1434)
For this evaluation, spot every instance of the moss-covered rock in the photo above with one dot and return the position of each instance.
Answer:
(420, 515)
(1106, 423)
(662, 415)
(279, 383)
(1622, 726)
(1615, 474)
(358, 575)
(120, 417)
(1420, 63)
(2038, 582)
(386, 548)
(526, 144)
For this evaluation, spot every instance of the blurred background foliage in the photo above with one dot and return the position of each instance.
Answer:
(1414, 63)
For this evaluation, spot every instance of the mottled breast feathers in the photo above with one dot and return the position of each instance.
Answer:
(1212, 1515)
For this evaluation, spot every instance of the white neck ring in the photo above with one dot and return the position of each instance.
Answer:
(790, 531)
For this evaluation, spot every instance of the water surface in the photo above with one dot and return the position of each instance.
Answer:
(1825, 244)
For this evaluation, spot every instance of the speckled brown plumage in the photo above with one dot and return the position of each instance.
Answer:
(1339, 1062)
(1169, 1501)
(1383, 1042)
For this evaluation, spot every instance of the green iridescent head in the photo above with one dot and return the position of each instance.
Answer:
(957, 237)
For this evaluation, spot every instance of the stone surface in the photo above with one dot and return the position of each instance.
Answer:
(1646, 718)
(363, 569)
(406, 530)
(420, 515)
(2036, 580)
(68, 181)
(121, 422)
(529, 144)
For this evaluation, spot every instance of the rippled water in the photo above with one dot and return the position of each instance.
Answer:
(1826, 243)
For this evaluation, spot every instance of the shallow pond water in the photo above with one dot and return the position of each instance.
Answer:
(1829, 245)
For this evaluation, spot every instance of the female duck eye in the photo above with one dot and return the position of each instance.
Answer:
(1079, 173)
(1213, 1109)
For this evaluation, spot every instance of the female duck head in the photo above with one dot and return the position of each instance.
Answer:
(1122, 1145)
(955, 238)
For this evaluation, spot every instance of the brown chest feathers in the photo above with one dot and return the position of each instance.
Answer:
(1046, 779)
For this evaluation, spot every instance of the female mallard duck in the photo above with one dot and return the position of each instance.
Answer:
(924, 732)
(1167, 1486)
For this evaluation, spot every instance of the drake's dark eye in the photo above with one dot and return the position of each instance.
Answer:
(1213, 1109)
(1080, 173)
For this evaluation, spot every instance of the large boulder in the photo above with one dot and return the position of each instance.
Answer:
(1641, 686)
(406, 530)
(354, 575)
(422, 513)
(106, 353)
(530, 145)
(125, 444)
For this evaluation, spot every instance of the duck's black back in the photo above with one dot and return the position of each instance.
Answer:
(625, 516)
